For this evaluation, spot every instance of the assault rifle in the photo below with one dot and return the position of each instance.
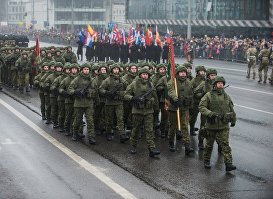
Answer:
(113, 92)
(143, 98)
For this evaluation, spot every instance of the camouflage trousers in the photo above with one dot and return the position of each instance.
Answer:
(251, 67)
(14, 78)
(69, 116)
(222, 138)
(193, 113)
(42, 100)
(1, 73)
(114, 111)
(23, 79)
(127, 107)
(202, 130)
(147, 120)
(184, 122)
(164, 119)
(47, 106)
(263, 67)
(99, 116)
(88, 112)
(54, 109)
(61, 113)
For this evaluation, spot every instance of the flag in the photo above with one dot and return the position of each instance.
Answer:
(123, 37)
(131, 36)
(89, 40)
(149, 37)
(168, 36)
(81, 35)
(38, 46)
(157, 38)
(90, 29)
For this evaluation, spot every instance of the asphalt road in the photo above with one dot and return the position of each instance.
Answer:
(173, 173)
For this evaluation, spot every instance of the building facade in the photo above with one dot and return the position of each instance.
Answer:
(203, 13)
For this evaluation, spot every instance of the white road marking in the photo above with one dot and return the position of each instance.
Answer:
(8, 142)
(253, 109)
(263, 92)
(124, 193)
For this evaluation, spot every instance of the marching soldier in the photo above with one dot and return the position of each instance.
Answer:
(205, 87)
(113, 89)
(142, 94)
(264, 62)
(70, 56)
(196, 81)
(24, 66)
(85, 93)
(217, 106)
(251, 61)
(184, 102)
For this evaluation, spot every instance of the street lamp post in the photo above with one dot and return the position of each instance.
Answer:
(189, 20)
(72, 17)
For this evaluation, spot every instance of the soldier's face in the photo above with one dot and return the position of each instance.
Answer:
(144, 75)
(202, 73)
(52, 67)
(74, 70)
(212, 76)
(85, 71)
(115, 70)
(59, 69)
(182, 74)
(162, 70)
(103, 70)
(46, 68)
(220, 85)
(189, 70)
(58, 53)
(67, 70)
(133, 69)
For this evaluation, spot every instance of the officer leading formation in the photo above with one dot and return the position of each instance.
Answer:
(126, 101)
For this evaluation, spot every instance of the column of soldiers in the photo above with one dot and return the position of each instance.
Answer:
(263, 58)
(114, 99)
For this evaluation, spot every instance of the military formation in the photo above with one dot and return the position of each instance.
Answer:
(127, 101)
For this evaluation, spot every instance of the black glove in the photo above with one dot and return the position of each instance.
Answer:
(65, 94)
(177, 103)
(135, 99)
(232, 124)
(109, 94)
(78, 93)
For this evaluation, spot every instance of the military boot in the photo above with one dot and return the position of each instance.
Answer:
(77, 136)
(92, 141)
(109, 136)
(192, 130)
(171, 146)
(188, 149)
(43, 116)
(178, 135)
(62, 129)
(27, 89)
(153, 152)
(207, 164)
(133, 150)
(230, 167)
(55, 125)
(123, 138)
(67, 132)
(201, 145)
(48, 121)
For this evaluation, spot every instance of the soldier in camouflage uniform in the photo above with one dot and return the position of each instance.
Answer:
(189, 70)
(24, 66)
(60, 98)
(48, 57)
(53, 93)
(58, 56)
(46, 90)
(159, 81)
(205, 87)
(113, 88)
(142, 94)
(69, 99)
(127, 106)
(14, 69)
(251, 54)
(9, 58)
(264, 62)
(2, 63)
(184, 102)
(85, 92)
(196, 81)
(70, 56)
(37, 81)
(271, 76)
(217, 106)
(99, 113)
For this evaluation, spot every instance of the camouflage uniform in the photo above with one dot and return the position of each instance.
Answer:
(70, 56)
(143, 110)
(264, 62)
(114, 103)
(184, 102)
(217, 106)
(251, 54)
(24, 66)
(85, 93)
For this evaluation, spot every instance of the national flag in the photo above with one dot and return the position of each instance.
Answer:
(89, 39)
(123, 37)
(90, 29)
(38, 51)
(168, 36)
(149, 36)
(81, 35)
(157, 38)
